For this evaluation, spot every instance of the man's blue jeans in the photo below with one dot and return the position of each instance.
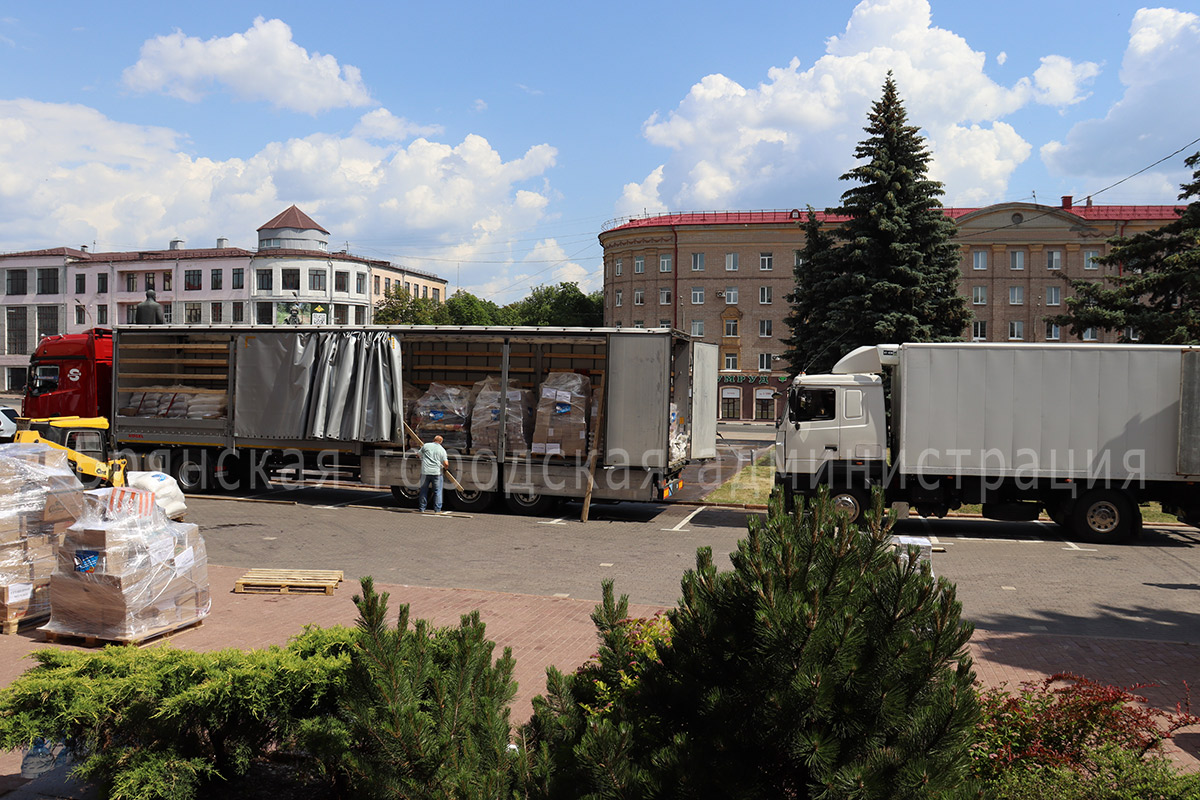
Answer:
(436, 482)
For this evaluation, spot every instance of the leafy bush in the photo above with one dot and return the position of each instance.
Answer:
(1114, 774)
(822, 665)
(160, 722)
(426, 708)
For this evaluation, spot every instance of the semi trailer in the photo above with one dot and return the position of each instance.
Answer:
(1084, 432)
(223, 407)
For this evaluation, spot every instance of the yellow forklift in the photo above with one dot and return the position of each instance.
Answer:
(83, 440)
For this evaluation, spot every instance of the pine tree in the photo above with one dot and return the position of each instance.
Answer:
(1157, 294)
(895, 261)
(818, 289)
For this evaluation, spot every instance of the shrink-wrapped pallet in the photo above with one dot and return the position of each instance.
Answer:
(39, 498)
(561, 425)
(173, 402)
(679, 436)
(485, 417)
(444, 411)
(125, 572)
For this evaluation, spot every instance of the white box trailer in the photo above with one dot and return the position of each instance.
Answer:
(219, 405)
(1084, 431)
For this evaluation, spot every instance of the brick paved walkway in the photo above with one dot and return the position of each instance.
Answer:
(551, 630)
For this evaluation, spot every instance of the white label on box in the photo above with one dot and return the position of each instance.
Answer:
(19, 591)
(184, 561)
(553, 449)
(563, 397)
(539, 447)
(161, 549)
(514, 397)
(549, 392)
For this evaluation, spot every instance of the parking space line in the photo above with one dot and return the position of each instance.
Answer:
(679, 528)
(1073, 546)
(559, 521)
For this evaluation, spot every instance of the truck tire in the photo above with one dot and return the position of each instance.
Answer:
(471, 500)
(1104, 516)
(190, 469)
(530, 504)
(850, 501)
(405, 497)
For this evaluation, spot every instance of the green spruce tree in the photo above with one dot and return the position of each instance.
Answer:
(819, 287)
(895, 263)
(1156, 296)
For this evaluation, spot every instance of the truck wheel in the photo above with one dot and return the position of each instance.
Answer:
(471, 500)
(190, 470)
(1104, 516)
(405, 497)
(529, 503)
(849, 501)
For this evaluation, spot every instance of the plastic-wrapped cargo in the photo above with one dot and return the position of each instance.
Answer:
(562, 419)
(444, 411)
(679, 436)
(125, 572)
(173, 402)
(485, 416)
(39, 498)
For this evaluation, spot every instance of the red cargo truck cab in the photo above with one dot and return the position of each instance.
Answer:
(70, 375)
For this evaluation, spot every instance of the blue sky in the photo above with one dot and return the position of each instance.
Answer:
(491, 142)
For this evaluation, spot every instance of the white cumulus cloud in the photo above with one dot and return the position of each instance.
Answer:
(784, 142)
(263, 64)
(383, 124)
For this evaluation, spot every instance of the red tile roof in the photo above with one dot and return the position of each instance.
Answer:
(294, 218)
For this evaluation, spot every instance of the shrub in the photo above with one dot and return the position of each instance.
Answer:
(161, 722)
(822, 665)
(1114, 774)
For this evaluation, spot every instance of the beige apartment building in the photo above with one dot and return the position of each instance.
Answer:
(724, 276)
(417, 283)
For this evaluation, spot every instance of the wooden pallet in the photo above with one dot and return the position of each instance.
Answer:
(11, 626)
(146, 637)
(288, 581)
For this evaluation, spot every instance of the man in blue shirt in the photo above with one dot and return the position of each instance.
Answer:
(433, 461)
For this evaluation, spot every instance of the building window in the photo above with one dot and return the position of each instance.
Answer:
(697, 262)
(1052, 332)
(191, 313)
(166, 281)
(731, 295)
(360, 315)
(237, 311)
(697, 295)
(265, 283)
(316, 280)
(425, 291)
(764, 295)
(1089, 259)
(766, 261)
(618, 266)
(168, 312)
(360, 284)
(376, 284)
(1089, 335)
(216, 279)
(47, 280)
(797, 258)
(238, 278)
(387, 285)
(637, 323)
(149, 280)
(979, 295)
(47, 321)
(1016, 330)
(130, 282)
(617, 298)
(697, 327)
(664, 263)
(1054, 259)
(216, 313)
(131, 314)
(192, 280)
(16, 281)
(341, 314)
(764, 328)
(731, 327)
(1053, 295)
(731, 262)
(437, 295)
(664, 297)
(16, 329)
(731, 361)
(264, 313)
(764, 362)
(639, 264)
(664, 323)
(102, 314)
(80, 315)
(639, 297)
(407, 287)
(289, 280)
(80, 283)
(102, 283)
(979, 330)
(1016, 259)
(1016, 295)
(731, 404)
(979, 259)
(764, 407)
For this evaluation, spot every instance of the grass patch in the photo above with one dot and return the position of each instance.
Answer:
(1152, 513)
(752, 484)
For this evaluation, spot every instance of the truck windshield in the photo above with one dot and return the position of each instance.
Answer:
(812, 404)
(45, 378)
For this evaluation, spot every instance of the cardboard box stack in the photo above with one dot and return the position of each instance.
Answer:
(561, 427)
(485, 416)
(444, 411)
(126, 572)
(39, 498)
